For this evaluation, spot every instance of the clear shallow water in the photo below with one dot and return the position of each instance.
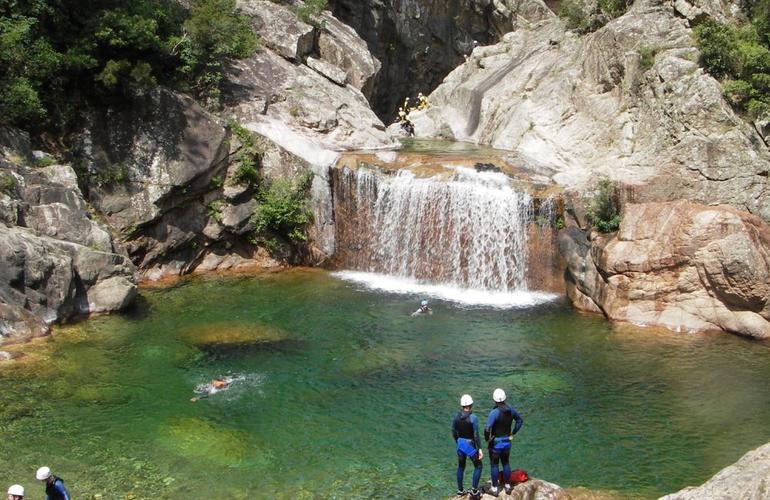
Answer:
(353, 398)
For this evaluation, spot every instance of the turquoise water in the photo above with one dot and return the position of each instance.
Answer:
(345, 396)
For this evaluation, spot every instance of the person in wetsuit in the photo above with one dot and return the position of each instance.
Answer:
(423, 309)
(54, 486)
(498, 435)
(465, 431)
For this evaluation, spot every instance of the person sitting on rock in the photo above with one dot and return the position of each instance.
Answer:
(423, 309)
(216, 385)
(465, 431)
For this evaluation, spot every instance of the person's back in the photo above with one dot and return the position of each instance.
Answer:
(55, 490)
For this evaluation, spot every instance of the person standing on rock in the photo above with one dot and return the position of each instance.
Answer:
(54, 486)
(498, 435)
(465, 431)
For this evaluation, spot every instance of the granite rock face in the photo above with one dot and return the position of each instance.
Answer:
(747, 479)
(419, 42)
(318, 94)
(55, 260)
(680, 265)
(591, 106)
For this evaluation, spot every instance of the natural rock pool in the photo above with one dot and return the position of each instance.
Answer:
(344, 395)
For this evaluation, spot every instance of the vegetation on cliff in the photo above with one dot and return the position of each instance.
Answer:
(585, 17)
(740, 57)
(53, 52)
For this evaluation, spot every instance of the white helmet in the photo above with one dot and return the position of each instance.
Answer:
(424, 303)
(466, 400)
(17, 490)
(43, 473)
(498, 396)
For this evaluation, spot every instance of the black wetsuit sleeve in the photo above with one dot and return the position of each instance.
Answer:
(518, 419)
(455, 434)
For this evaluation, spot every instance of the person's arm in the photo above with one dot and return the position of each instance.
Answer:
(490, 423)
(519, 421)
(59, 487)
(475, 422)
(455, 434)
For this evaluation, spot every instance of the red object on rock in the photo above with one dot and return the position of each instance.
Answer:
(519, 476)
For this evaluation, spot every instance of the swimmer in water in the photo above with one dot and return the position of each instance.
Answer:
(216, 385)
(424, 309)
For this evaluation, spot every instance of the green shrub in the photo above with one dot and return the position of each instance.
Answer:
(53, 53)
(310, 9)
(737, 92)
(284, 209)
(110, 176)
(248, 156)
(718, 45)
(7, 184)
(647, 56)
(604, 208)
(214, 209)
(574, 15)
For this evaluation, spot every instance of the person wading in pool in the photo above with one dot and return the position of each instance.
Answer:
(498, 434)
(465, 431)
(423, 309)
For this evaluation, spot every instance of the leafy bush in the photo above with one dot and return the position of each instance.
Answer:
(647, 56)
(740, 56)
(283, 209)
(604, 208)
(7, 183)
(248, 156)
(53, 52)
(310, 9)
(575, 16)
(583, 21)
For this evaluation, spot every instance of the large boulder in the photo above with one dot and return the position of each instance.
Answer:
(628, 102)
(318, 98)
(56, 261)
(680, 265)
(44, 280)
(747, 479)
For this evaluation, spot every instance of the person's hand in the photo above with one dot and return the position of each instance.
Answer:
(481, 454)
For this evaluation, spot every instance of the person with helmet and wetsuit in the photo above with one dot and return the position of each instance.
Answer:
(465, 431)
(423, 309)
(498, 435)
(54, 486)
(16, 492)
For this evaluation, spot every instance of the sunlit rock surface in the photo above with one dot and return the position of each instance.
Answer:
(592, 106)
(680, 265)
(317, 100)
(747, 479)
(234, 334)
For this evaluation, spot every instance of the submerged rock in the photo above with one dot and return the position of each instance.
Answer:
(747, 479)
(234, 335)
(196, 439)
(680, 265)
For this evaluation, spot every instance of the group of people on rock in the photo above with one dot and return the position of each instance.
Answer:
(497, 434)
(54, 487)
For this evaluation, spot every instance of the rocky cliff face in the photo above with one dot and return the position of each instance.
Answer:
(679, 265)
(419, 42)
(56, 260)
(592, 106)
(746, 479)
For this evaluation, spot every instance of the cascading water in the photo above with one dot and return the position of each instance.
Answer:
(466, 228)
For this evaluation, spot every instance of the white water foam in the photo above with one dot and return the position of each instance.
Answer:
(464, 296)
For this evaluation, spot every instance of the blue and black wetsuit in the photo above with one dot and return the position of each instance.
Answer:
(465, 431)
(498, 435)
(55, 490)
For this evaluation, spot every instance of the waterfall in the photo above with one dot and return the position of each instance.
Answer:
(464, 228)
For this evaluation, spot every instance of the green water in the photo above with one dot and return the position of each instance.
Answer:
(350, 397)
